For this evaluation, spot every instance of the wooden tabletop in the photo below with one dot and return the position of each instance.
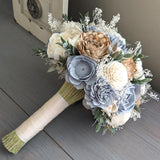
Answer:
(25, 86)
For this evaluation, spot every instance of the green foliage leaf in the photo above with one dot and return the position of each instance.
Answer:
(119, 56)
(101, 119)
(69, 49)
(40, 52)
(82, 20)
(65, 18)
(139, 55)
(137, 108)
(128, 56)
(51, 69)
(140, 82)
(105, 130)
(112, 130)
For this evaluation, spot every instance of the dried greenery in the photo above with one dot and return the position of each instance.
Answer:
(65, 18)
(137, 109)
(40, 52)
(101, 119)
(69, 49)
(83, 21)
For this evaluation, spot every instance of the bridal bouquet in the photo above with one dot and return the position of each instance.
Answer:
(98, 66)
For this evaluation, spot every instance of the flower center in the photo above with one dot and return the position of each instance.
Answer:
(83, 69)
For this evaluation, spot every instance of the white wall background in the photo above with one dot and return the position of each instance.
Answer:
(140, 20)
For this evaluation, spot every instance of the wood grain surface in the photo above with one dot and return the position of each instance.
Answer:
(25, 86)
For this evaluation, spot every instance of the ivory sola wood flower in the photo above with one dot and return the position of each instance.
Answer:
(116, 74)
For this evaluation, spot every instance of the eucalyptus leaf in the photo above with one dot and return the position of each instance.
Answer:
(137, 109)
(128, 56)
(140, 82)
(98, 127)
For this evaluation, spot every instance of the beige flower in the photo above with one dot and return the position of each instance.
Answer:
(93, 44)
(119, 120)
(116, 74)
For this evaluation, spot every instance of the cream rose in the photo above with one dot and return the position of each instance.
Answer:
(54, 50)
(119, 120)
(116, 74)
(70, 34)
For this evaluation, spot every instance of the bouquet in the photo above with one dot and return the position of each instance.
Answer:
(99, 67)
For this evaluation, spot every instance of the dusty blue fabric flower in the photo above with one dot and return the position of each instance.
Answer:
(114, 40)
(137, 91)
(81, 70)
(93, 28)
(126, 101)
(99, 94)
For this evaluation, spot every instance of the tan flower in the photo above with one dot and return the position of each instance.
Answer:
(93, 44)
(130, 66)
(138, 102)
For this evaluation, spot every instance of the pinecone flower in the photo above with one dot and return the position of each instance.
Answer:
(93, 44)
(130, 66)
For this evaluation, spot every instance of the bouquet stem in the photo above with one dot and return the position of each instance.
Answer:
(67, 95)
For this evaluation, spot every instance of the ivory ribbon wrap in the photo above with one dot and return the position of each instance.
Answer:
(36, 123)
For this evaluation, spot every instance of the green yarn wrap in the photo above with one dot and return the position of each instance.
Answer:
(12, 142)
(70, 93)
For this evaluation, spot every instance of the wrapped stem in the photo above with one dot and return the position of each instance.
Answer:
(67, 95)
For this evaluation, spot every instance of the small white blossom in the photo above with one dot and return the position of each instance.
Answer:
(138, 46)
(135, 115)
(148, 87)
(87, 20)
(134, 51)
(97, 15)
(100, 68)
(113, 22)
(153, 95)
(53, 23)
(147, 73)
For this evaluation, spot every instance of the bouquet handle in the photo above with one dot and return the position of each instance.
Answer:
(67, 95)
(36, 123)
